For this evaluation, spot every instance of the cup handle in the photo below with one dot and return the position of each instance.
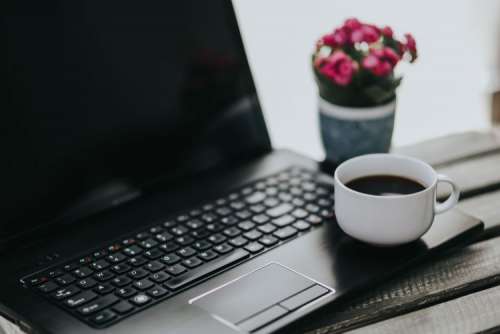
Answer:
(452, 200)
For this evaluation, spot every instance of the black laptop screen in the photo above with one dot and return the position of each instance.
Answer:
(99, 91)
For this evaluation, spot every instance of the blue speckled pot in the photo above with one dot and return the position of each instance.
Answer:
(348, 132)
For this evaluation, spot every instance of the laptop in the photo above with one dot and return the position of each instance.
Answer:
(140, 192)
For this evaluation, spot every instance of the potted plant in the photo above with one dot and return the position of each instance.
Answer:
(354, 69)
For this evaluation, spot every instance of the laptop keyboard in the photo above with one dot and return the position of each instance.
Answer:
(135, 272)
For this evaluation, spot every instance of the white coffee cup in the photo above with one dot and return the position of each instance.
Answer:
(389, 220)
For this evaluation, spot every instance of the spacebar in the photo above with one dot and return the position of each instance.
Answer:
(191, 276)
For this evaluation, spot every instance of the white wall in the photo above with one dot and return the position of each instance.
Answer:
(445, 91)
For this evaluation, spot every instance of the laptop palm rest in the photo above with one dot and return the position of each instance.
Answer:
(260, 297)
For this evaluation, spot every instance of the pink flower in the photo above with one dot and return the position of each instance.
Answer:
(411, 44)
(339, 68)
(366, 33)
(329, 40)
(387, 32)
(381, 62)
(352, 24)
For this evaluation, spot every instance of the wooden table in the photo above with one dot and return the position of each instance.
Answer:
(458, 292)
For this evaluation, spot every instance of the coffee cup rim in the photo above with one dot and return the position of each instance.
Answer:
(428, 187)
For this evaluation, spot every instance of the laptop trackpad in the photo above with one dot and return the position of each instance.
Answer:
(261, 296)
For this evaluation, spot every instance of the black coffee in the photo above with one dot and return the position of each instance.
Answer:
(385, 185)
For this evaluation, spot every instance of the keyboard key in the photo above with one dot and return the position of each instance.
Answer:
(280, 210)
(223, 211)
(48, 287)
(142, 235)
(120, 268)
(252, 235)
(238, 241)
(182, 218)
(137, 273)
(153, 254)
(202, 245)
(163, 237)
(170, 259)
(268, 240)
(137, 261)
(129, 242)
(257, 208)
(103, 317)
(283, 220)
(103, 289)
(71, 266)
(194, 224)
(271, 202)
(312, 208)
(255, 197)
(148, 243)
(244, 214)
(115, 248)
(65, 292)
(302, 225)
(267, 228)
(157, 292)
(193, 275)
(186, 252)
(195, 213)
(155, 229)
(260, 219)
(103, 275)
(176, 269)
(229, 220)
(300, 213)
(254, 247)
(86, 283)
(208, 255)
(246, 225)
(99, 265)
(179, 230)
(325, 203)
(98, 305)
(80, 299)
(200, 234)
(122, 307)
(126, 292)
(159, 277)
(65, 279)
(140, 299)
(169, 224)
(116, 258)
(54, 273)
(120, 281)
(185, 240)
(217, 238)
(223, 248)
(232, 231)
(143, 284)
(238, 205)
(209, 217)
(214, 227)
(133, 250)
(85, 260)
(314, 220)
(192, 262)
(154, 266)
(99, 254)
(285, 232)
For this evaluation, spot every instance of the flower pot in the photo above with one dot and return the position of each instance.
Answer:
(347, 132)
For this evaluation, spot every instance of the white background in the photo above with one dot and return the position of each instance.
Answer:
(445, 91)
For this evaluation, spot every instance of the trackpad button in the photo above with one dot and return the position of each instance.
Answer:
(254, 293)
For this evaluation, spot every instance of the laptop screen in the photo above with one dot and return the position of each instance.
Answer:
(117, 91)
